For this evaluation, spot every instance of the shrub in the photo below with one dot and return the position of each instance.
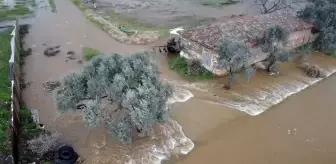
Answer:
(44, 143)
(192, 68)
(52, 5)
(89, 53)
(5, 131)
(333, 54)
(322, 13)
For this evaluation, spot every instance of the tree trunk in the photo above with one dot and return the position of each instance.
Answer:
(230, 79)
(271, 60)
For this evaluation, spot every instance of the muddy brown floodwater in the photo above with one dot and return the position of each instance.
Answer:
(241, 126)
(300, 130)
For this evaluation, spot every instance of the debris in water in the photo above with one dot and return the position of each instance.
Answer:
(79, 61)
(45, 43)
(71, 55)
(51, 85)
(313, 71)
(80, 160)
(174, 45)
(66, 154)
(81, 107)
(52, 51)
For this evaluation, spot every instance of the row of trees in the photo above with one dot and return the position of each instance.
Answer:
(234, 55)
(322, 13)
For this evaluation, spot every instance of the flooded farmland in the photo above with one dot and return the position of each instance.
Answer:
(270, 119)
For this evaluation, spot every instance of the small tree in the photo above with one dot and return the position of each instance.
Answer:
(323, 14)
(273, 41)
(137, 99)
(233, 57)
(272, 38)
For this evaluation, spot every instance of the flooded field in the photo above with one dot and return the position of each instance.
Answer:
(172, 13)
(209, 124)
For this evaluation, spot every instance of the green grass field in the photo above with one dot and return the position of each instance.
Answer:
(12, 14)
(5, 91)
(180, 65)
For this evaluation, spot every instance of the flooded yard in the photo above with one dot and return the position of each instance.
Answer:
(208, 124)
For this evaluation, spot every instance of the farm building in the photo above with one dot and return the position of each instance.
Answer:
(203, 42)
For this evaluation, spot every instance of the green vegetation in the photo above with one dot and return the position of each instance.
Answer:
(83, 8)
(123, 23)
(5, 53)
(30, 131)
(130, 84)
(332, 54)
(132, 24)
(5, 131)
(13, 13)
(89, 53)
(79, 4)
(5, 91)
(322, 13)
(29, 128)
(52, 5)
(187, 68)
(219, 3)
(233, 56)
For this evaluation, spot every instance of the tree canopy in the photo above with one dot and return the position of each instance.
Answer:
(323, 14)
(124, 93)
(272, 38)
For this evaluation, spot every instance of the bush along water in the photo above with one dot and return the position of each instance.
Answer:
(190, 68)
(322, 13)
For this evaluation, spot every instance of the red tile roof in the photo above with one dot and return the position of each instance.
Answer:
(242, 28)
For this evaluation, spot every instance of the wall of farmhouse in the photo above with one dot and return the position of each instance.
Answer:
(209, 58)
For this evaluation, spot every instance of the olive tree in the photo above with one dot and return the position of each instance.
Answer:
(124, 93)
(233, 56)
(273, 41)
(322, 13)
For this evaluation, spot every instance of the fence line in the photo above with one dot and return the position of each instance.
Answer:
(14, 64)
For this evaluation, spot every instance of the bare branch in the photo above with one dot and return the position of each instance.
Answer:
(270, 6)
